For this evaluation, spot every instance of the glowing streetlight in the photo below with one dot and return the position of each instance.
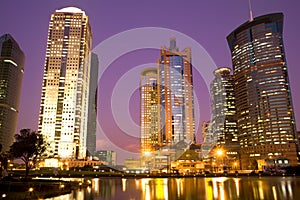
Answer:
(235, 165)
(147, 153)
(220, 152)
(30, 190)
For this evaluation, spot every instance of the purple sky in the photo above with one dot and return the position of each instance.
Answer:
(207, 22)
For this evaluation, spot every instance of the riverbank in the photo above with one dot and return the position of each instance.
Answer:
(19, 188)
(95, 174)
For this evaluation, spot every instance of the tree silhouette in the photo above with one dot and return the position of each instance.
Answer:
(3, 160)
(28, 146)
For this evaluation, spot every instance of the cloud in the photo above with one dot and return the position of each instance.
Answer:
(132, 148)
(103, 144)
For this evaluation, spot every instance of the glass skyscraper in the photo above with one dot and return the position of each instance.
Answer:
(167, 110)
(12, 61)
(224, 122)
(266, 124)
(65, 91)
(176, 95)
(92, 110)
(149, 111)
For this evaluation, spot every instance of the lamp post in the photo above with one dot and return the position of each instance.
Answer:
(220, 154)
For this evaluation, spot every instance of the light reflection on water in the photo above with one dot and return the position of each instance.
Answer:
(222, 188)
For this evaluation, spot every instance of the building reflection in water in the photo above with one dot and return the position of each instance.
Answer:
(222, 188)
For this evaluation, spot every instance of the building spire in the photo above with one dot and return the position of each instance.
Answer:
(173, 46)
(250, 10)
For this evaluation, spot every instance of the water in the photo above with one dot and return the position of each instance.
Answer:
(188, 188)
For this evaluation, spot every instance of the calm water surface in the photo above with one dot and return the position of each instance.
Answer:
(189, 188)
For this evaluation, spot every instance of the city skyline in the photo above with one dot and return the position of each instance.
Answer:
(210, 34)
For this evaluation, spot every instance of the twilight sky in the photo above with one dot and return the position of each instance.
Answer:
(194, 23)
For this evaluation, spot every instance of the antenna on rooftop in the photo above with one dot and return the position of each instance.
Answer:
(250, 9)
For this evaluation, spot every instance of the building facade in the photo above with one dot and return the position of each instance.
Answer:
(224, 121)
(12, 61)
(149, 111)
(223, 116)
(266, 124)
(205, 130)
(65, 92)
(208, 141)
(108, 157)
(176, 95)
(92, 110)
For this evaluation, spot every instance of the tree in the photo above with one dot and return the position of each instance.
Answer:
(28, 146)
(3, 160)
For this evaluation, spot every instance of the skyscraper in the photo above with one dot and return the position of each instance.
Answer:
(12, 61)
(149, 111)
(108, 157)
(92, 110)
(65, 91)
(176, 95)
(266, 122)
(224, 122)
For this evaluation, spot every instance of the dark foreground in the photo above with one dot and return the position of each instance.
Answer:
(18, 188)
(94, 185)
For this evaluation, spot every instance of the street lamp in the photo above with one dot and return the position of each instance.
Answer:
(235, 165)
(220, 154)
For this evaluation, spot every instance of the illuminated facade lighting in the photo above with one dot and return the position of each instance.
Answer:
(149, 110)
(224, 122)
(12, 61)
(265, 116)
(65, 92)
(176, 95)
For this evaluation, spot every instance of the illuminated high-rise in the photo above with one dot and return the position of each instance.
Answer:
(65, 91)
(176, 95)
(223, 116)
(149, 110)
(224, 122)
(12, 61)
(266, 124)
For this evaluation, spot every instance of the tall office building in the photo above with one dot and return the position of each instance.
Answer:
(223, 117)
(92, 110)
(224, 121)
(149, 111)
(12, 61)
(108, 157)
(176, 95)
(65, 91)
(266, 122)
